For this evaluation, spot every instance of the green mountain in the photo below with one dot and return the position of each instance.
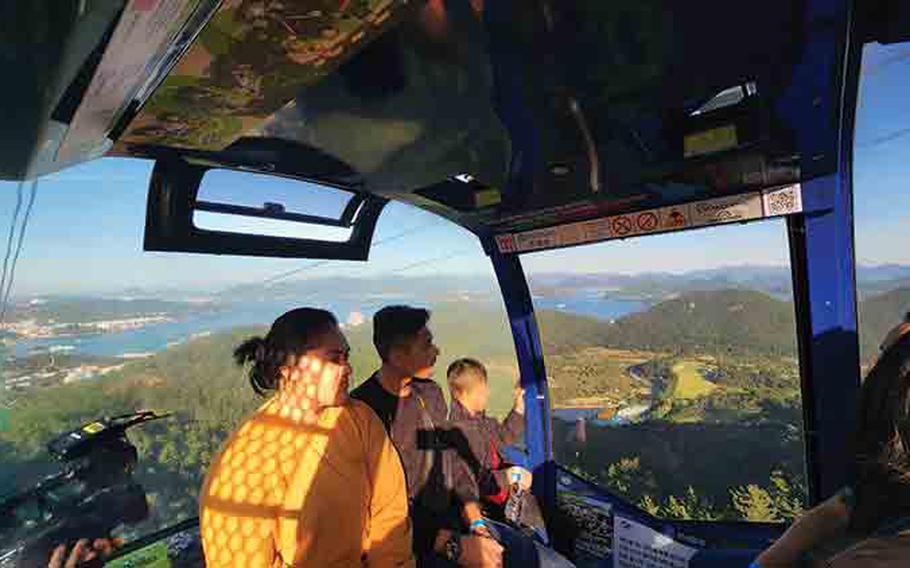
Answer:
(567, 333)
(877, 315)
(707, 322)
(739, 321)
(748, 333)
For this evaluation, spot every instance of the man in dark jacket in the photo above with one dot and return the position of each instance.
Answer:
(413, 409)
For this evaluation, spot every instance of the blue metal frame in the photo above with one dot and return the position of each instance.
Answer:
(824, 284)
(520, 309)
(822, 263)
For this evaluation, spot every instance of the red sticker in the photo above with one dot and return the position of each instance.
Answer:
(506, 243)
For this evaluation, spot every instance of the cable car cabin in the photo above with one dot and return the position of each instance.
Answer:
(663, 217)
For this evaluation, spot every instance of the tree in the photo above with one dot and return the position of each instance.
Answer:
(753, 503)
(787, 497)
(649, 505)
(689, 507)
(629, 478)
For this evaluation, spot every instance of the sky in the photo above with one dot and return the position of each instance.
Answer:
(86, 227)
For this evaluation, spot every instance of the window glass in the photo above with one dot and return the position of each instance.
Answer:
(673, 372)
(95, 327)
(235, 187)
(252, 203)
(881, 201)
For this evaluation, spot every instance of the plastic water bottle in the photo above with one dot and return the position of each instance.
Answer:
(514, 502)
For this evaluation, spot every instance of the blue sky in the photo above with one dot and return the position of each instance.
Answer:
(85, 232)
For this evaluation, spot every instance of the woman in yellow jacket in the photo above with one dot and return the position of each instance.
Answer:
(311, 478)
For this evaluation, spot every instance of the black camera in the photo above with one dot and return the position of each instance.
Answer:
(92, 494)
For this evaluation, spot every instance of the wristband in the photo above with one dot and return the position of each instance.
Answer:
(477, 524)
(754, 564)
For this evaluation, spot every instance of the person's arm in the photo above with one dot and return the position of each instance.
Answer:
(514, 424)
(816, 525)
(465, 483)
(475, 550)
(473, 516)
(390, 526)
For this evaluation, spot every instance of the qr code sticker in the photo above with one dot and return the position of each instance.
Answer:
(783, 201)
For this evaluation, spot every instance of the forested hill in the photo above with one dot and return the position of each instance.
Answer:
(702, 322)
(878, 314)
(734, 321)
(729, 320)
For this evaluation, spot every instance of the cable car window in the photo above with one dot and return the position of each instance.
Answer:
(881, 200)
(94, 327)
(251, 203)
(672, 370)
(253, 190)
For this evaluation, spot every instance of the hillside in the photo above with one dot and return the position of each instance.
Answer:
(773, 280)
(877, 315)
(707, 322)
(745, 336)
(561, 332)
(87, 309)
(208, 395)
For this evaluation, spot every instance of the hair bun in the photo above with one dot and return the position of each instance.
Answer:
(250, 351)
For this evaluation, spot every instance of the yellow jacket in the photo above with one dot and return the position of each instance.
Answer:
(285, 493)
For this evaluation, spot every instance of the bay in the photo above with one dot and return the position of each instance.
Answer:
(158, 337)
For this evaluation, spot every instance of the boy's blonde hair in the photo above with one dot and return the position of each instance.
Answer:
(465, 373)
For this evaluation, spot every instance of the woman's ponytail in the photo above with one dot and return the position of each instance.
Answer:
(253, 352)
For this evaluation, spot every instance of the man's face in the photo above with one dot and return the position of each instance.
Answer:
(416, 357)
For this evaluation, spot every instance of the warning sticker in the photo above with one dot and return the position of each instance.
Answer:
(783, 201)
(710, 141)
(647, 221)
(93, 428)
(487, 198)
(726, 209)
(538, 239)
(674, 217)
(756, 205)
(571, 234)
(597, 230)
(639, 546)
(622, 225)
(505, 243)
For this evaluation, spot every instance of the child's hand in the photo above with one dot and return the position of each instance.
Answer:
(519, 399)
(521, 476)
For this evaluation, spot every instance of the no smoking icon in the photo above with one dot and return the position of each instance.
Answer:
(647, 221)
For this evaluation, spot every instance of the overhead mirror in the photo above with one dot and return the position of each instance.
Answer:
(194, 207)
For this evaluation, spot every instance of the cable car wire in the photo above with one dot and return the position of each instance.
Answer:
(431, 260)
(12, 269)
(400, 269)
(11, 236)
(885, 138)
(316, 264)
